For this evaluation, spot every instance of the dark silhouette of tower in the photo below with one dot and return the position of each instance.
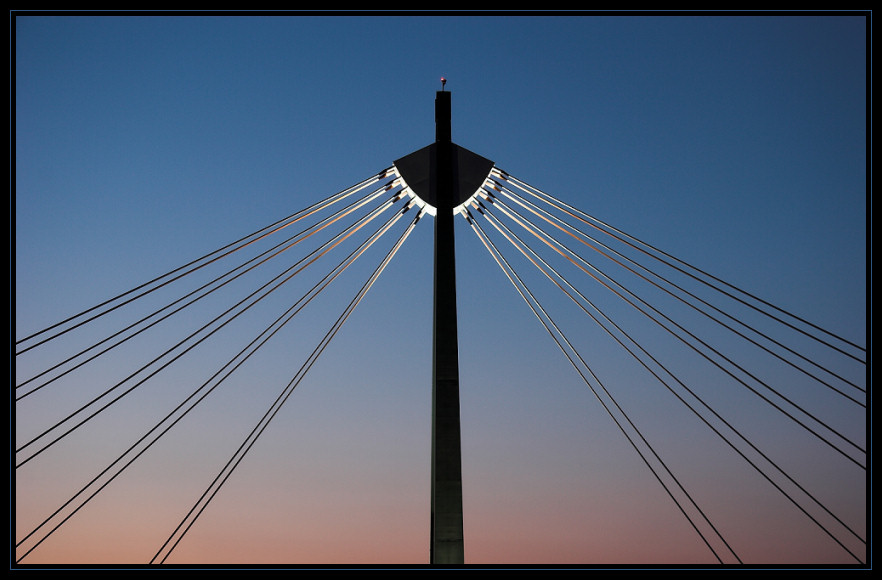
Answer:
(445, 175)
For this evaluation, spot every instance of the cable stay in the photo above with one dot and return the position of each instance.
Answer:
(688, 269)
(569, 351)
(532, 228)
(186, 524)
(570, 290)
(206, 289)
(254, 296)
(620, 291)
(189, 403)
(198, 263)
(594, 243)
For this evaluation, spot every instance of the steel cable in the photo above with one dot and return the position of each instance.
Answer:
(596, 223)
(501, 226)
(243, 449)
(506, 269)
(557, 223)
(244, 241)
(566, 252)
(259, 341)
(316, 254)
(254, 261)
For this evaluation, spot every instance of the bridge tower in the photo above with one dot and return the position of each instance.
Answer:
(444, 176)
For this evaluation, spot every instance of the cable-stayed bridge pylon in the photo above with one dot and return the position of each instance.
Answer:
(702, 342)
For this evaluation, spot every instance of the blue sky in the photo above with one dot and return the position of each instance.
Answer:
(737, 143)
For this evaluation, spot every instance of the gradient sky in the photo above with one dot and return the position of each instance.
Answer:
(737, 143)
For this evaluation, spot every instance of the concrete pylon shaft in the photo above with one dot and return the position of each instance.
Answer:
(446, 520)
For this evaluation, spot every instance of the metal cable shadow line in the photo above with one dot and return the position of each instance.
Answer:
(569, 255)
(648, 249)
(244, 241)
(315, 255)
(521, 288)
(261, 426)
(565, 227)
(501, 226)
(256, 261)
(259, 341)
